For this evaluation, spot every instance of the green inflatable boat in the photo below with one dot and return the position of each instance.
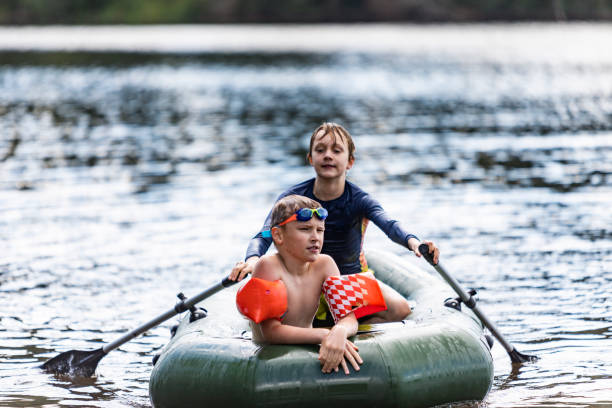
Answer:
(438, 355)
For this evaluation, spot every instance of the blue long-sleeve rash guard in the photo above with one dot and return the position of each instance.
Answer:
(344, 227)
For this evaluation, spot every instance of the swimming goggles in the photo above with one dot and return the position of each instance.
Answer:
(303, 214)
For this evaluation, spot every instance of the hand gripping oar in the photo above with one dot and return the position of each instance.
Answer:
(470, 302)
(84, 363)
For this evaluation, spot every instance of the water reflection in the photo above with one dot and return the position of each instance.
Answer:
(128, 177)
(146, 114)
(65, 59)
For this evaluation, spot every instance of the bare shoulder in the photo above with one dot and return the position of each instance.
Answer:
(267, 268)
(326, 265)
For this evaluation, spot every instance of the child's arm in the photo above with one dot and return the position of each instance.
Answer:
(336, 349)
(243, 268)
(275, 332)
(392, 228)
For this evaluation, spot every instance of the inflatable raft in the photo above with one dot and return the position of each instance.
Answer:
(438, 355)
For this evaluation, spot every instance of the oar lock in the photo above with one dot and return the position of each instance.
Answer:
(197, 313)
(455, 303)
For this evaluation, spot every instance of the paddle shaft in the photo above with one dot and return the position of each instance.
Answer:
(423, 249)
(467, 299)
(180, 307)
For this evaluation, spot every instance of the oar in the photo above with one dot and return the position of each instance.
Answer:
(470, 302)
(84, 363)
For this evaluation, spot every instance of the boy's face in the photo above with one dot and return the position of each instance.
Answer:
(330, 156)
(300, 239)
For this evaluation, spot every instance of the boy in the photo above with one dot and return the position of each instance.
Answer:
(301, 267)
(331, 154)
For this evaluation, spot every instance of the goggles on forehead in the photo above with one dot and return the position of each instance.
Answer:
(303, 214)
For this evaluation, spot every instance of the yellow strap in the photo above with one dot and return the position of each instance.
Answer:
(323, 308)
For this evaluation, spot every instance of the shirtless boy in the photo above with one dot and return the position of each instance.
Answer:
(302, 268)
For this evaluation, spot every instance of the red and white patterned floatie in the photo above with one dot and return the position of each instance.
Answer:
(358, 293)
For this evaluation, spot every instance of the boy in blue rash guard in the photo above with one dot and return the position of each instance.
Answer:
(344, 231)
(350, 209)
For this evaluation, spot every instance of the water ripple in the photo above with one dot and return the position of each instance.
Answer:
(127, 178)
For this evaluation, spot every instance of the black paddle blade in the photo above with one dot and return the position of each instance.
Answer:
(518, 357)
(74, 363)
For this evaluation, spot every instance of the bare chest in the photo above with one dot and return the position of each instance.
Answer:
(302, 301)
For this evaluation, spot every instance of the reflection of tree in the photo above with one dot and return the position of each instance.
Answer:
(559, 10)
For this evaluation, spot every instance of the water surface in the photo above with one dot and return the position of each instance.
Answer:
(136, 163)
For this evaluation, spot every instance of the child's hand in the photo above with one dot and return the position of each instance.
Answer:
(351, 354)
(242, 269)
(413, 244)
(336, 349)
(332, 348)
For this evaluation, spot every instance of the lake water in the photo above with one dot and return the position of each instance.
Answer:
(136, 163)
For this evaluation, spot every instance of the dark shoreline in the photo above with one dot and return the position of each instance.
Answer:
(292, 11)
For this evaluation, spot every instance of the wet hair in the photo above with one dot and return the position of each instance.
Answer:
(287, 206)
(337, 132)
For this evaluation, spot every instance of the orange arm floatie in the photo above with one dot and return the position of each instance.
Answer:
(261, 300)
(358, 293)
